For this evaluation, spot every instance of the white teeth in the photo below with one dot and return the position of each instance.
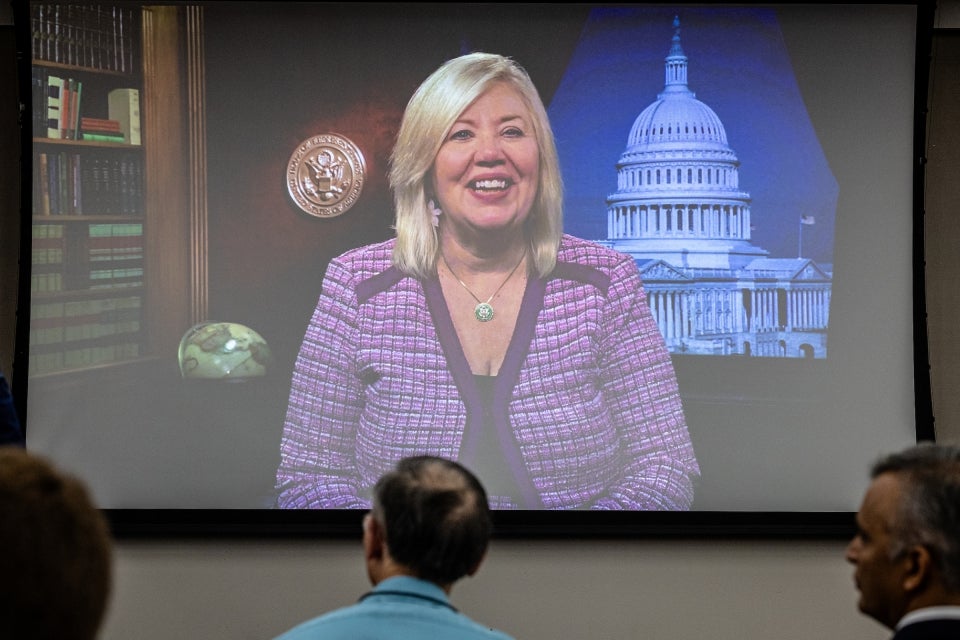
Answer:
(490, 184)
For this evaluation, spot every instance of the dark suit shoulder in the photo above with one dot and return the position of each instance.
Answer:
(945, 629)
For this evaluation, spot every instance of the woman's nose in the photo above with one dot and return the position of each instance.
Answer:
(489, 149)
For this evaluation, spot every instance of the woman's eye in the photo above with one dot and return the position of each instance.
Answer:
(462, 134)
(513, 132)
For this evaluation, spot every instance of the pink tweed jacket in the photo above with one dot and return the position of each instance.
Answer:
(585, 407)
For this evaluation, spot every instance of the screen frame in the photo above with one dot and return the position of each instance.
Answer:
(266, 523)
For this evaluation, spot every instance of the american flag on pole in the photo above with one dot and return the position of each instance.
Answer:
(807, 220)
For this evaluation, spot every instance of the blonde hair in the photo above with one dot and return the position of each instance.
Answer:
(430, 113)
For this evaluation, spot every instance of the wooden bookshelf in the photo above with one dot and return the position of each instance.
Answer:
(120, 229)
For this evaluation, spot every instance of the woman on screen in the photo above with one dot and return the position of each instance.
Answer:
(481, 332)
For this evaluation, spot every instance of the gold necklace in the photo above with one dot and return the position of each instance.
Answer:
(484, 310)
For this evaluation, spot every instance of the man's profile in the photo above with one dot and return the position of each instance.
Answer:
(429, 526)
(907, 548)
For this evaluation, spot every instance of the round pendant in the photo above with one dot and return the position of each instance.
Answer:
(483, 312)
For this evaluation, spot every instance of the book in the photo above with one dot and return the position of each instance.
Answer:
(68, 37)
(55, 50)
(53, 182)
(101, 128)
(37, 25)
(76, 184)
(75, 111)
(66, 99)
(99, 124)
(96, 188)
(54, 118)
(70, 108)
(103, 136)
(63, 184)
(47, 244)
(44, 186)
(100, 38)
(124, 106)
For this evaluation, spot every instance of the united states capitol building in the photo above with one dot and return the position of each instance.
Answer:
(680, 212)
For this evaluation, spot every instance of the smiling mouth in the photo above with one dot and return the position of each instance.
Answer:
(490, 185)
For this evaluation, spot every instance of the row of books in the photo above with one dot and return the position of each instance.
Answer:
(48, 280)
(86, 257)
(52, 97)
(97, 36)
(43, 363)
(86, 70)
(71, 183)
(82, 333)
(57, 105)
(114, 254)
(48, 244)
(57, 322)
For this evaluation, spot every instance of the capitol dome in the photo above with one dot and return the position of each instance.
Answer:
(679, 211)
(678, 194)
(677, 119)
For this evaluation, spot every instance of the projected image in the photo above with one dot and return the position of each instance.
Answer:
(706, 334)
(718, 188)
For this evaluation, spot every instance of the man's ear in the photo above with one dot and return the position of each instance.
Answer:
(919, 567)
(372, 538)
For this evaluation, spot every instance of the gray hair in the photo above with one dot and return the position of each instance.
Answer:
(929, 511)
(436, 517)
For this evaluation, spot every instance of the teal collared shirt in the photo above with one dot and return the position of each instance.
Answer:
(399, 608)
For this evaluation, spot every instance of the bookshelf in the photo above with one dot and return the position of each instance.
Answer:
(118, 214)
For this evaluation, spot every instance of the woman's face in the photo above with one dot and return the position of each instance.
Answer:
(486, 173)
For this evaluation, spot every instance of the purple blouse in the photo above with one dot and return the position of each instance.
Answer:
(585, 403)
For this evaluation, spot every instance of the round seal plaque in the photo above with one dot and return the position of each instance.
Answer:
(325, 175)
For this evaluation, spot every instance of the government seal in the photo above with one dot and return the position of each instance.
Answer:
(325, 175)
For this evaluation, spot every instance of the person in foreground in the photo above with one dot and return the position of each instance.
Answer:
(907, 547)
(55, 569)
(428, 528)
(481, 332)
